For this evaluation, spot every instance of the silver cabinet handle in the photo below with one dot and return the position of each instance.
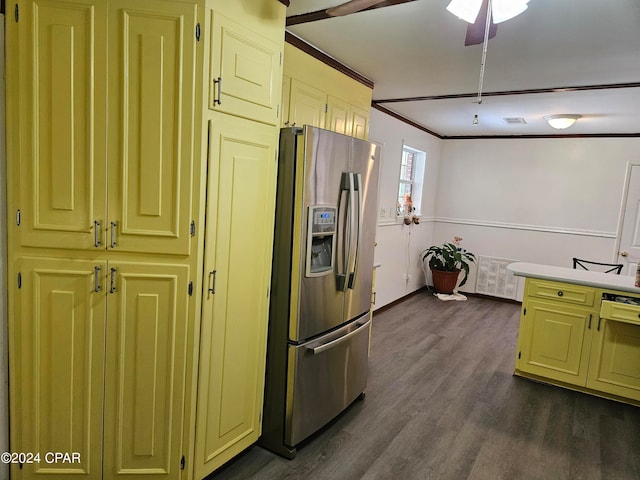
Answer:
(96, 273)
(113, 234)
(590, 317)
(96, 233)
(112, 288)
(218, 82)
(212, 282)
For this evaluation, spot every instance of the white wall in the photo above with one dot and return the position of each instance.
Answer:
(535, 200)
(398, 244)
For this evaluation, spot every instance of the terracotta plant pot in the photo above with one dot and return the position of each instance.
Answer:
(444, 282)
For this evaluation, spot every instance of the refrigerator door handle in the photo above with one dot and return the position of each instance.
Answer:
(358, 209)
(344, 250)
(351, 228)
(329, 345)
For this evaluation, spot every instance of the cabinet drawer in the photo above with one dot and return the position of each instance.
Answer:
(565, 292)
(620, 311)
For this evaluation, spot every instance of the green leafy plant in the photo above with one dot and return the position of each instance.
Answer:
(449, 257)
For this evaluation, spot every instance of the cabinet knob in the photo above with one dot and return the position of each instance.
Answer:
(560, 293)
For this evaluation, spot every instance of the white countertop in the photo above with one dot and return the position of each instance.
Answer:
(611, 281)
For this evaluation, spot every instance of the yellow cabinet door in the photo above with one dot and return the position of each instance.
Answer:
(145, 384)
(615, 359)
(359, 121)
(57, 333)
(151, 115)
(338, 115)
(240, 219)
(556, 342)
(286, 95)
(307, 105)
(56, 73)
(245, 71)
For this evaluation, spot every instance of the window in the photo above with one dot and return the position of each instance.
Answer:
(410, 183)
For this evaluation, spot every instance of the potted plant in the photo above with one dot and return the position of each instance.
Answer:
(446, 261)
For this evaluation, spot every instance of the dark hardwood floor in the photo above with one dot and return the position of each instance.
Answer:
(441, 403)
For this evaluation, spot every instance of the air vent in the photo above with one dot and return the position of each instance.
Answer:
(515, 120)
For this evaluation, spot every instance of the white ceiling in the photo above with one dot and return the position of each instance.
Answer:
(416, 49)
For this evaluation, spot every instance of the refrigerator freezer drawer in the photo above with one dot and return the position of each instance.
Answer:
(327, 374)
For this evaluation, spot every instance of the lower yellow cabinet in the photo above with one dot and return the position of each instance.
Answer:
(615, 364)
(556, 341)
(100, 351)
(570, 335)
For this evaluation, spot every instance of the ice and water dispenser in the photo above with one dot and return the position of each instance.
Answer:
(321, 235)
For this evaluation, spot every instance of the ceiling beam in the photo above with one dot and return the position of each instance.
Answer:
(579, 88)
(322, 14)
(326, 59)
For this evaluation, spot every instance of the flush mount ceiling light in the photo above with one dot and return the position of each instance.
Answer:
(501, 10)
(561, 121)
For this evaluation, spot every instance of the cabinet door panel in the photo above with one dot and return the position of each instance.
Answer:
(146, 350)
(359, 123)
(240, 216)
(151, 105)
(338, 116)
(62, 125)
(58, 364)
(557, 342)
(245, 71)
(615, 363)
(307, 106)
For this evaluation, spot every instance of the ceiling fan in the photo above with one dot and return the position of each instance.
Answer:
(475, 13)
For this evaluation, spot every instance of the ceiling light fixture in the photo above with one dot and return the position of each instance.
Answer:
(501, 10)
(561, 121)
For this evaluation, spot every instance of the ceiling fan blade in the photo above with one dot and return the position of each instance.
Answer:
(475, 31)
(351, 7)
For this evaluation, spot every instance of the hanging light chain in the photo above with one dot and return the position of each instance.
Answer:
(484, 59)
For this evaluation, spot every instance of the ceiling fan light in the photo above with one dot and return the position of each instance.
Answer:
(561, 121)
(467, 10)
(502, 10)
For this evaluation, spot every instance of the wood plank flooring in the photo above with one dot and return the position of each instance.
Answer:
(441, 403)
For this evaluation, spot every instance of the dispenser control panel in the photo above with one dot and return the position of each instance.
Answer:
(321, 234)
(324, 220)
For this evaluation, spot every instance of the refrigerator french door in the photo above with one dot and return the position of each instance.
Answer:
(319, 319)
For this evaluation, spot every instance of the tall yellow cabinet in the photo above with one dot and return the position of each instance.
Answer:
(132, 142)
(243, 62)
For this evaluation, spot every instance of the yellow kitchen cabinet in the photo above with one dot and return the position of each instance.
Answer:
(151, 114)
(286, 96)
(615, 364)
(556, 342)
(245, 70)
(338, 112)
(104, 244)
(307, 105)
(66, 175)
(240, 214)
(556, 329)
(146, 351)
(56, 337)
(56, 78)
(359, 121)
(323, 97)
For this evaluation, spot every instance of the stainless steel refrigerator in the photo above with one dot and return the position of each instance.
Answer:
(319, 321)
